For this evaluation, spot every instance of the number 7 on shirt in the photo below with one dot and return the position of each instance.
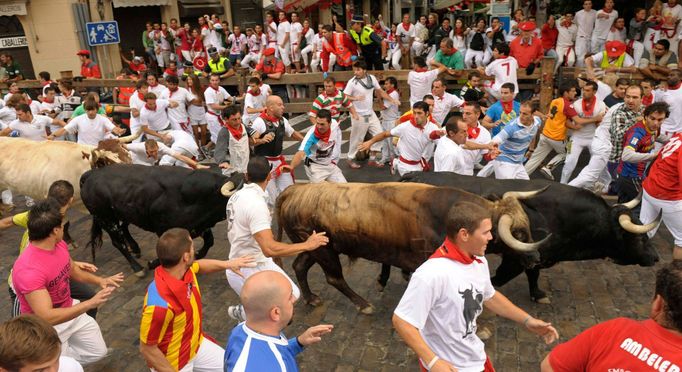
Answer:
(506, 64)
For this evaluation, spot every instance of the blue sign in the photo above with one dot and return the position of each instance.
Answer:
(102, 33)
(506, 23)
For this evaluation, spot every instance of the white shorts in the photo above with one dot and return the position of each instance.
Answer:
(237, 282)
(672, 215)
(319, 173)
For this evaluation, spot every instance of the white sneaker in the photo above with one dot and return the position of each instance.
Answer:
(236, 312)
(547, 173)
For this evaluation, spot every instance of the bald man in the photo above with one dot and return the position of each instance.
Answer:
(259, 344)
(271, 128)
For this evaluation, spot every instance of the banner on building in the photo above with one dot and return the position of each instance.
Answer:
(13, 42)
(13, 8)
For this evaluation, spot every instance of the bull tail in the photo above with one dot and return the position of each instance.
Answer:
(95, 237)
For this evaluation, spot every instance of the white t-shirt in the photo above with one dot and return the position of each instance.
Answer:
(161, 91)
(255, 43)
(254, 102)
(602, 26)
(247, 213)
(156, 119)
(237, 43)
(585, 21)
(271, 33)
(567, 35)
(603, 131)
(184, 142)
(90, 131)
(603, 90)
(443, 300)
(179, 114)
(218, 96)
(282, 29)
(35, 130)
(671, 14)
(413, 140)
(504, 71)
(474, 156)
(321, 152)
(7, 115)
(355, 88)
(404, 35)
(206, 36)
(139, 154)
(295, 33)
(597, 58)
(673, 98)
(443, 105)
(135, 103)
(420, 84)
(619, 35)
(449, 157)
(587, 131)
(392, 111)
(259, 126)
(47, 106)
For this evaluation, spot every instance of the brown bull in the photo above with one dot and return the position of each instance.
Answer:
(398, 224)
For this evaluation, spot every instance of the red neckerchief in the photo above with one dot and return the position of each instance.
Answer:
(177, 292)
(170, 94)
(149, 108)
(473, 133)
(236, 133)
(675, 87)
(441, 97)
(390, 91)
(68, 95)
(252, 93)
(502, 56)
(305, 30)
(507, 106)
(140, 96)
(269, 118)
(154, 86)
(217, 90)
(588, 106)
(607, 11)
(566, 24)
(47, 101)
(407, 26)
(450, 250)
(323, 136)
(421, 69)
(459, 31)
(48, 82)
(647, 100)
(414, 124)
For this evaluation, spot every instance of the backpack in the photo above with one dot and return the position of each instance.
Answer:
(477, 42)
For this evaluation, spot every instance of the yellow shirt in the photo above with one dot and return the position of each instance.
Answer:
(560, 110)
(21, 220)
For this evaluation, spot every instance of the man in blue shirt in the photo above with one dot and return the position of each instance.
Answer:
(259, 344)
(503, 111)
(513, 142)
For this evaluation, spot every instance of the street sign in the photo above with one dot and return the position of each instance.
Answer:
(102, 33)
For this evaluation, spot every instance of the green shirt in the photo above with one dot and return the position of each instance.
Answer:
(12, 70)
(80, 110)
(454, 60)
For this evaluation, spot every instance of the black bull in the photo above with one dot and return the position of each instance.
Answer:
(155, 199)
(582, 224)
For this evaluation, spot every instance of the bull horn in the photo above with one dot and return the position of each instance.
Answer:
(504, 230)
(523, 194)
(130, 138)
(632, 203)
(228, 189)
(625, 221)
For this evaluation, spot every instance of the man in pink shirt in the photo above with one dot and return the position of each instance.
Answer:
(41, 277)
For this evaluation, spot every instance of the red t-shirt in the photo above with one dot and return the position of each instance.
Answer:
(524, 53)
(620, 344)
(184, 39)
(90, 70)
(269, 67)
(549, 36)
(665, 177)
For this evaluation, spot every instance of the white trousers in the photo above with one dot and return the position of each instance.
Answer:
(393, 57)
(277, 184)
(250, 57)
(575, 147)
(209, 358)
(596, 168)
(285, 54)
(418, 48)
(474, 56)
(582, 47)
(487, 170)
(319, 173)
(316, 63)
(82, 339)
(597, 44)
(672, 215)
(403, 168)
(213, 126)
(358, 130)
(637, 51)
(237, 282)
(544, 148)
(509, 171)
(305, 54)
(565, 54)
(388, 149)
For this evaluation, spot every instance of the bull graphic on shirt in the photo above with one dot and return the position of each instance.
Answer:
(473, 305)
(325, 151)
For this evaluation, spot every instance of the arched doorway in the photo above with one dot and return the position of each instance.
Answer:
(13, 41)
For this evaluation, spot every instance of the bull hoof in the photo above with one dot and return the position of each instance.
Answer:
(141, 274)
(367, 310)
(543, 300)
(314, 300)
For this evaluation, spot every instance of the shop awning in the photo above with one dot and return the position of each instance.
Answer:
(129, 3)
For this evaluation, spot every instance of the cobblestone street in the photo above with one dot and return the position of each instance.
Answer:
(582, 293)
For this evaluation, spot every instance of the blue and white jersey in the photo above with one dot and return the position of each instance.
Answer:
(250, 351)
(514, 140)
(321, 152)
